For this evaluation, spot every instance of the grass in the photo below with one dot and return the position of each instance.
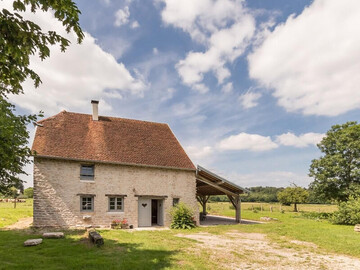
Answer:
(9, 215)
(163, 249)
(290, 225)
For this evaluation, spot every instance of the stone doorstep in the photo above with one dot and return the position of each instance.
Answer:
(53, 235)
(32, 242)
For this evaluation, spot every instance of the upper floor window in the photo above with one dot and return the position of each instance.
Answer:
(87, 172)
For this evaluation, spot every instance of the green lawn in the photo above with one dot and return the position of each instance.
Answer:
(9, 215)
(162, 249)
(330, 237)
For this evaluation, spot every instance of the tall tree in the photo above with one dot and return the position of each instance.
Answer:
(21, 38)
(337, 173)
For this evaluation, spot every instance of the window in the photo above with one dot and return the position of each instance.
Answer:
(87, 204)
(87, 172)
(176, 201)
(115, 204)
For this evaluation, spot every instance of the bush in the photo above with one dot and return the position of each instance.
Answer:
(182, 217)
(316, 215)
(22, 196)
(29, 192)
(348, 213)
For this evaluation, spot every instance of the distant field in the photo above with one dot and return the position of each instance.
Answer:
(224, 208)
(9, 215)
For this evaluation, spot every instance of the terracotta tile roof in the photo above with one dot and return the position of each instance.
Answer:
(115, 140)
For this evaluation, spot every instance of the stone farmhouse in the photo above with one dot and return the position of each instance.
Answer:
(91, 169)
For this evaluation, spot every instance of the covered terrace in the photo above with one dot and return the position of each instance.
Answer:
(209, 183)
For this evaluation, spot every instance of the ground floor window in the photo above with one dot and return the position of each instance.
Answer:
(87, 203)
(116, 204)
(176, 201)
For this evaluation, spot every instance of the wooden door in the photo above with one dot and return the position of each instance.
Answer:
(144, 213)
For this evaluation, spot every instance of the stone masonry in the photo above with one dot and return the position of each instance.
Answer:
(57, 183)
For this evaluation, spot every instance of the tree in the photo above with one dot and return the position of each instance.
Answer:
(29, 192)
(337, 173)
(21, 38)
(293, 195)
(14, 151)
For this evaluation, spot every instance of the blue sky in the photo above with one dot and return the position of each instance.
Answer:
(248, 87)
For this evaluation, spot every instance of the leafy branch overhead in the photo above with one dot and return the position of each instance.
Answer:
(21, 38)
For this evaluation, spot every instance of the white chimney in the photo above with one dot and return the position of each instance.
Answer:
(95, 115)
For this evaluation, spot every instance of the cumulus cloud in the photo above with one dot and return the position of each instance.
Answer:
(303, 140)
(249, 99)
(227, 88)
(72, 78)
(196, 152)
(245, 141)
(312, 61)
(135, 24)
(122, 16)
(223, 27)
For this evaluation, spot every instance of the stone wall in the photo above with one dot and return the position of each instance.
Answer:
(57, 185)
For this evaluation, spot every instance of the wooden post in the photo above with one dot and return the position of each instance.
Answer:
(261, 207)
(270, 208)
(238, 209)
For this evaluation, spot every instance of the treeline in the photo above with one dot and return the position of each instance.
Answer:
(265, 194)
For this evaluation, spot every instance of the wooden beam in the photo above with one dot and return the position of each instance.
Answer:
(232, 200)
(227, 192)
(238, 209)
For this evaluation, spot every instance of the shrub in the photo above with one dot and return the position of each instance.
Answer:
(348, 213)
(22, 196)
(316, 215)
(182, 217)
(29, 192)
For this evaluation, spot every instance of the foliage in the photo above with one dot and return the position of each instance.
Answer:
(316, 215)
(219, 198)
(21, 38)
(29, 192)
(14, 151)
(337, 172)
(293, 195)
(348, 213)
(182, 217)
(262, 194)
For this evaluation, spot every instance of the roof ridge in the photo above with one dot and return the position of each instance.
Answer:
(113, 117)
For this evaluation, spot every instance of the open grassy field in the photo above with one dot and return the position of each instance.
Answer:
(9, 215)
(175, 249)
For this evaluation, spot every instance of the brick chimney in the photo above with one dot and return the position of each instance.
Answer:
(95, 109)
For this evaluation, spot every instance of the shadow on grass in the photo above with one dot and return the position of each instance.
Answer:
(76, 252)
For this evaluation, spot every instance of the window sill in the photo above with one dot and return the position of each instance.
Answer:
(87, 181)
(115, 212)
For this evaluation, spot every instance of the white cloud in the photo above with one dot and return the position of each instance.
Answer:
(72, 79)
(249, 99)
(223, 27)
(227, 88)
(196, 152)
(303, 140)
(122, 16)
(312, 61)
(135, 24)
(155, 51)
(245, 141)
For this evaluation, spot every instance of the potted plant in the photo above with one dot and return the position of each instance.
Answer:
(115, 224)
(124, 224)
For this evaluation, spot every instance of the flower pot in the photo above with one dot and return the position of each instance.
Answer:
(124, 226)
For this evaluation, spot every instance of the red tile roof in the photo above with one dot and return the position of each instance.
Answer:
(114, 140)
